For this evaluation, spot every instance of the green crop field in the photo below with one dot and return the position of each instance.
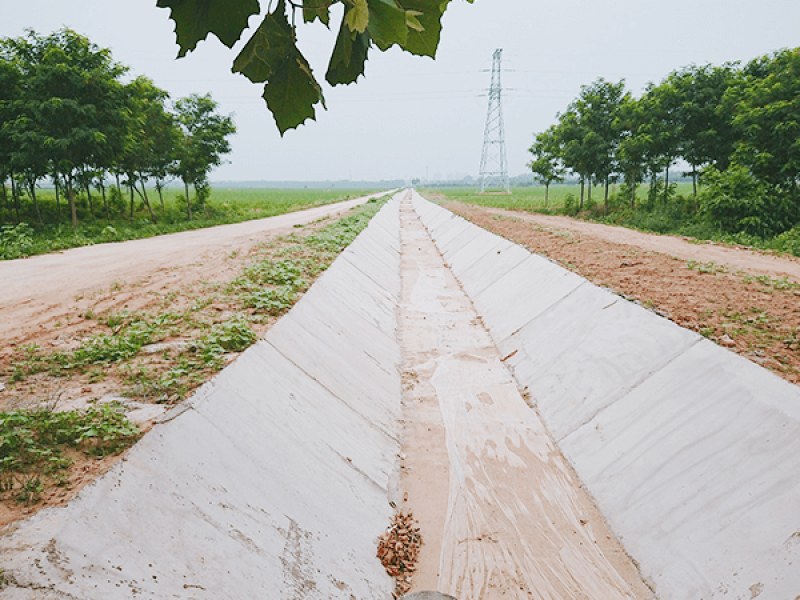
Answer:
(27, 237)
(532, 198)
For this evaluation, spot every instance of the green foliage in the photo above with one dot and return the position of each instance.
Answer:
(233, 335)
(16, 241)
(271, 55)
(65, 114)
(738, 202)
(32, 444)
(195, 19)
(738, 127)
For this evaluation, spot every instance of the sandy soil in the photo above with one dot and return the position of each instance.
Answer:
(733, 296)
(501, 513)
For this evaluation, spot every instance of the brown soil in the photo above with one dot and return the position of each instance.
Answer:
(745, 300)
(53, 301)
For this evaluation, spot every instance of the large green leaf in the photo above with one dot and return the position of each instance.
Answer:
(317, 9)
(195, 19)
(271, 55)
(292, 92)
(357, 17)
(349, 56)
(268, 46)
(387, 24)
(429, 15)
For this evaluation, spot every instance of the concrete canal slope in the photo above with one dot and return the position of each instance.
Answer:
(691, 452)
(273, 481)
(502, 515)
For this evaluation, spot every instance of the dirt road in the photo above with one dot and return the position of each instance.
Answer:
(40, 291)
(754, 262)
(746, 301)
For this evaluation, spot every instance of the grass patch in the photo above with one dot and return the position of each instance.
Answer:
(33, 445)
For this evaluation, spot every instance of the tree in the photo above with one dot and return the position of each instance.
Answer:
(151, 137)
(72, 104)
(634, 146)
(205, 141)
(704, 132)
(271, 55)
(546, 163)
(10, 89)
(765, 105)
(598, 107)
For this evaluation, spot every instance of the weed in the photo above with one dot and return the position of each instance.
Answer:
(709, 267)
(32, 444)
(781, 284)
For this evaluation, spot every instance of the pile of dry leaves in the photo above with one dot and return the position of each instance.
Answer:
(398, 549)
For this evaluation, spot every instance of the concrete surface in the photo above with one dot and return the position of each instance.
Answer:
(273, 481)
(690, 451)
(502, 515)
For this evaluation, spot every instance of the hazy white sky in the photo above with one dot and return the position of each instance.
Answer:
(413, 116)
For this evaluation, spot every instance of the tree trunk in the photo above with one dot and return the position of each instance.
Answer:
(653, 195)
(694, 186)
(146, 200)
(15, 195)
(130, 185)
(159, 188)
(5, 196)
(605, 200)
(666, 185)
(188, 200)
(32, 186)
(102, 187)
(546, 193)
(580, 206)
(71, 197)
(589, 192)
(58, 198)
(89, 198)
(633, 195)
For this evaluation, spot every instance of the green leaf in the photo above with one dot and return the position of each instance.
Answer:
(413, 22)
(349, 56)
(195, 19)
(357, 17)
(271, 55)
(387, 24)
(317, 9)
(268, 45)
(292, 92)
(424, 41)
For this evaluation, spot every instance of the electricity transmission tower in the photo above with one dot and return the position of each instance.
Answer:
(494, 172)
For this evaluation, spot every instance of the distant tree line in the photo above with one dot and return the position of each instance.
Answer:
(737, 127)
(67, 117)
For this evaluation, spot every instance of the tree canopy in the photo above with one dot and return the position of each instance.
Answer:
(66, 114)
(738, 128)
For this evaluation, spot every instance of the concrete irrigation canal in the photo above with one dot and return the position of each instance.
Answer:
(553, 440)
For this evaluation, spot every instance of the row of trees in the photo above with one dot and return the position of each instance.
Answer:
(67, 117)
(737, 128)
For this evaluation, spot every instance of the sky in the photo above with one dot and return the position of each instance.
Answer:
(414, 117)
